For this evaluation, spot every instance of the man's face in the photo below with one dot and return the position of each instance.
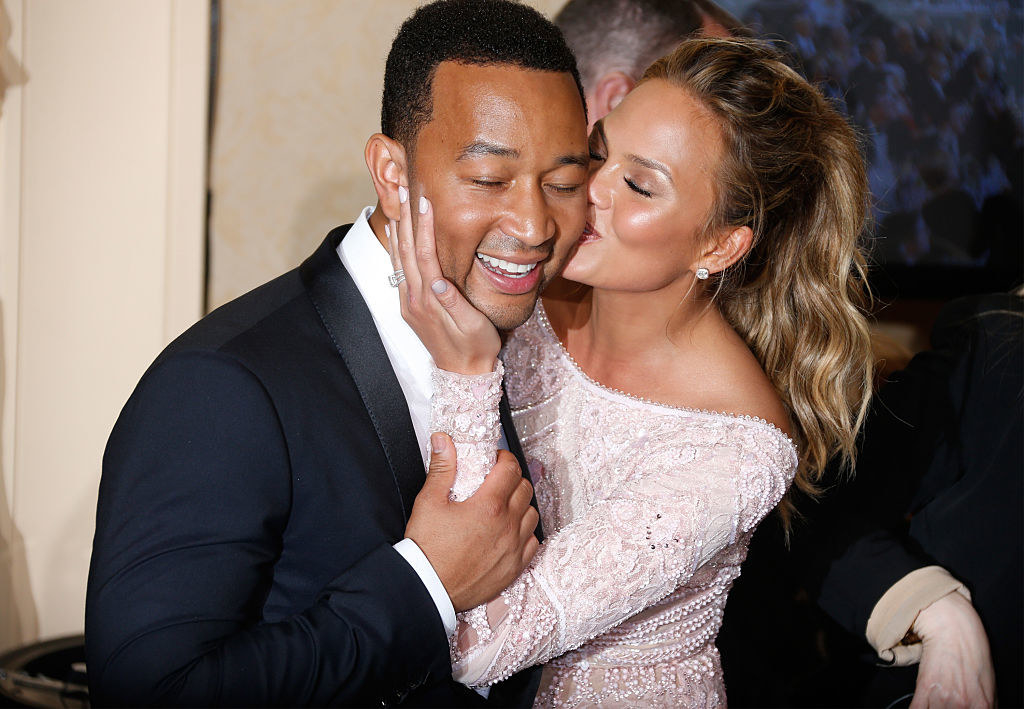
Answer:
(503, 160)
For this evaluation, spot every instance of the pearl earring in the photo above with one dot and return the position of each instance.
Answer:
(702, 273)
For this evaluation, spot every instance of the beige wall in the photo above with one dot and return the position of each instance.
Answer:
(102, 177)
(298, 95)
(102, 168)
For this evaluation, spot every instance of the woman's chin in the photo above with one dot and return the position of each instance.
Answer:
(576, 271)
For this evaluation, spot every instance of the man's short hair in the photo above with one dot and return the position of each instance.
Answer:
(481, 32)
(628, 35)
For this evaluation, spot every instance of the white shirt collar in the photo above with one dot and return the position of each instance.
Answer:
(370, 265)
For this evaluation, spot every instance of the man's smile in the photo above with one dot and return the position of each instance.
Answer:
(506, 268)
(509, 277)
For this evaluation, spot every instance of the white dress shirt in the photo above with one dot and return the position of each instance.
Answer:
(370, 265)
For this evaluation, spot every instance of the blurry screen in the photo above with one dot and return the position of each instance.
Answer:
(936, 89)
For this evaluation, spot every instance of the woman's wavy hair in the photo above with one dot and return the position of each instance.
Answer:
(792, 171)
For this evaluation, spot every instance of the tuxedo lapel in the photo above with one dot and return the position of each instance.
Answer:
(512, 438)
(352, 329)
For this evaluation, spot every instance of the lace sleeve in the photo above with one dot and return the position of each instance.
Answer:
(465, 406)
(626, 553)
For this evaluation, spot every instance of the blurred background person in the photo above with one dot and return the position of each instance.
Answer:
(615, 40)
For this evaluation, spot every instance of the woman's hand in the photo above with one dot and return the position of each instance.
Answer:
(458, 336)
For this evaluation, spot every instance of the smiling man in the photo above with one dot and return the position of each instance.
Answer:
(262, 537)
(504, 161)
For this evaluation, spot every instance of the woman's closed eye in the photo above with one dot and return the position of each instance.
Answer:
(637, 188)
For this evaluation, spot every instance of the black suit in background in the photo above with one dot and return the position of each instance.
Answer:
(252, 489)
(940, 480)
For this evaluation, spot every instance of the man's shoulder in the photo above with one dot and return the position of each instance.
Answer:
(279, 311)
(264, 309)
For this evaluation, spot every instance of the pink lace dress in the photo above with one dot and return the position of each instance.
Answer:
(648, 510)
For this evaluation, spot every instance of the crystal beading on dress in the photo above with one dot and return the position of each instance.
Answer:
(648, 509)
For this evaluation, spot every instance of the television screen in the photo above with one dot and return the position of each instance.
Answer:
(936, 91)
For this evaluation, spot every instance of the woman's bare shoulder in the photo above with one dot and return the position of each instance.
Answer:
(726, 377)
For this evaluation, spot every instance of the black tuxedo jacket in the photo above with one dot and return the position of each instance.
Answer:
(252, 489)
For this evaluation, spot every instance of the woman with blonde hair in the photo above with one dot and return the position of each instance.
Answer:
(715, 353)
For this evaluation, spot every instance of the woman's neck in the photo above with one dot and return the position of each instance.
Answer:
(606, 329)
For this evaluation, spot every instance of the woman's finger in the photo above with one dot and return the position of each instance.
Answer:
(406, 246)
(466, 317)
(426, 248)
(391, 230)
(462, 312)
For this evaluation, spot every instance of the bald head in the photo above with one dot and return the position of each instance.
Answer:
(615, 40)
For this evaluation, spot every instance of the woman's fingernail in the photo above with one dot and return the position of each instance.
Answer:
(423, 205)
(439, 286)
(403, 194)
(387, 230)
(436, 443)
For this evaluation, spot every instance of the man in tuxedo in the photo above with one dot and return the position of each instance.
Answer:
(262, 537)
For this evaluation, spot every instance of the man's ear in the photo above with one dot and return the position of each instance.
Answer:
(712, 27)
(386, 161)
(729, 248)
(608, 92)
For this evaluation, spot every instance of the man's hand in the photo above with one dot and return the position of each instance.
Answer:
(956, 665)
(477, 547)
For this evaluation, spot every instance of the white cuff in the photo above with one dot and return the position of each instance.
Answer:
(411, 552)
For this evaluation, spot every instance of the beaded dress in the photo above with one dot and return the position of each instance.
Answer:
(648, 510)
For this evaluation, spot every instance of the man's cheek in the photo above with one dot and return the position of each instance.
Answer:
(452, 267)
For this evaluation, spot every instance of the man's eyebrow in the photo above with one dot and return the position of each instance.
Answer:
(482, 148)
(580, 159)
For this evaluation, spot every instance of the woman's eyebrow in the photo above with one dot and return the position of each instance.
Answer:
(651, 165)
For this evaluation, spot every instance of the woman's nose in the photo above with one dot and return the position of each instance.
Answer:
(598, 189)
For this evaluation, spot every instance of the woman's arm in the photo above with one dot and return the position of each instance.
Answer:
(465, 406)
(625, 554)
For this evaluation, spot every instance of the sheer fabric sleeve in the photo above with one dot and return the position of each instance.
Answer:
(465, 406)
(629, 551)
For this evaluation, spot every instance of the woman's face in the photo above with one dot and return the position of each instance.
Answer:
(652, 163)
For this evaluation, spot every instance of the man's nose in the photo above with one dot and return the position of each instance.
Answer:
(529, 218)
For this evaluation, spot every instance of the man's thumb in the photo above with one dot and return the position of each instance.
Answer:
(441, 473)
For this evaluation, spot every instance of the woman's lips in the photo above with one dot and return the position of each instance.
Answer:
(589, 235)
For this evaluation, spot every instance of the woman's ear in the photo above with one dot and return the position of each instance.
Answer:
(385, 159)
(730, 247)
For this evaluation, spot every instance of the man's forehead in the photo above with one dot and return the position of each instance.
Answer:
(461, 86)
(492, 109)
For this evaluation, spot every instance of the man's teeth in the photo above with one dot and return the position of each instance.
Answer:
(510, 269)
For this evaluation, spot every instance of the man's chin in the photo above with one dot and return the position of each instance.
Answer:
(508, 316)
